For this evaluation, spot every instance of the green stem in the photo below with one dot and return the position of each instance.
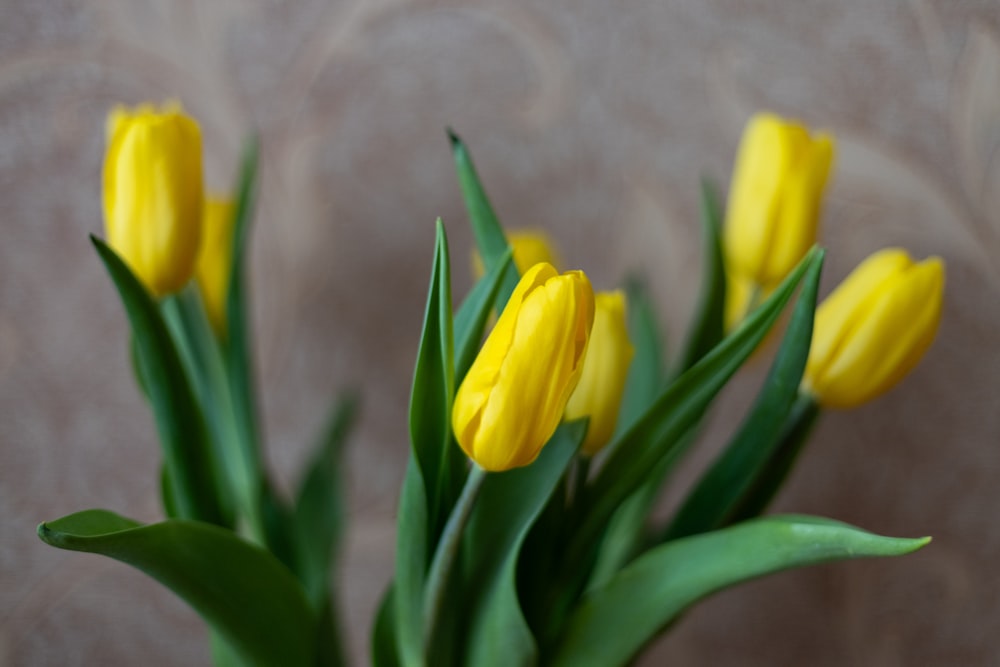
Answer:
(580, 479)
(447, 550)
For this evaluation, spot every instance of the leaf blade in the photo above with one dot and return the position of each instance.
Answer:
(614, 622)
(486, 227)
(179, 421)
(720, 490)
(268, 622)
(509, 504)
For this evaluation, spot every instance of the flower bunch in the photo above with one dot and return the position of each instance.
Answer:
(544, 420)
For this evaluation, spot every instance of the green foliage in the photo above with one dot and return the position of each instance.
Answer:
(708, 326)
(509, 504)
(243, 592)
(486, 228)
(192, 480)
(713, 501)
(615, 621)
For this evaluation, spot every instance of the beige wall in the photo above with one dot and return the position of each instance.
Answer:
(593, 119)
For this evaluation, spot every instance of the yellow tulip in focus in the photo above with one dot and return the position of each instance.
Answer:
(514, 395)
(153, 193)
(216, 259)
(874, 328)
(599, 393)
(530, 247)
(773, 212)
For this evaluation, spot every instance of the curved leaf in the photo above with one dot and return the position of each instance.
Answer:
(655, 437)
(614, 622)
(473, 314)
(179, 421)
(712, 502)
(243, 592)
(384, 652)
(707, 328)
(508, 505)
(793, 439)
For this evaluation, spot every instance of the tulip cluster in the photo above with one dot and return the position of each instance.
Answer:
(526, 525)
(873, 330)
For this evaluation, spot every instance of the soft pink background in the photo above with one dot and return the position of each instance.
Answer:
(592, 119)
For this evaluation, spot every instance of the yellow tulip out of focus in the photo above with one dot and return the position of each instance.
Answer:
(515, 393)
(599, 393)
(529, 246)
(772, 217)
(216, 259)
(153, 193)
(874, 328)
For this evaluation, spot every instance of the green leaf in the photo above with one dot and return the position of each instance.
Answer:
(237, 346)
(486, 228)
(179, 421)
(645, 381)
(655, 437)
(167, 494)
(646, 374)
(613, 623)
(319, 505)
(383, 647)
(318, 527)
(647, 451)
(199, 351)
(712, 502)
(708, 326)
(433, 393)
(509, 504)
(433, 475)
(278, 526)
(412, 560)
(798, 426)
(246, 595)
(473, 314)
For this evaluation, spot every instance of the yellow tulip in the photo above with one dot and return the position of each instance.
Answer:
(514, 395)
(153, 193)
(773, 213)
(602, 383)
(530, 247)
(874, 328)
(216, 259)
(740, 295)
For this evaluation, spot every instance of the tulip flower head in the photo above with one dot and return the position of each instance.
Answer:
(598, 396)
(530, 247)
(777, 188)
(514, 395)
(153, 193)
(874, 328)
(215, 261)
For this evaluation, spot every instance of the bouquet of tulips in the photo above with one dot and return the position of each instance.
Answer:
(544, 419)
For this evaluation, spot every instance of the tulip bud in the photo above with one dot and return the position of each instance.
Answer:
(153, 194)
(739, 300)
(215, 260)
(874, 328)
(602, 383)
(514, 395)
(773, 212)
(529, 246)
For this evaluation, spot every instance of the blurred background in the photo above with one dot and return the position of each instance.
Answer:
(593, 120)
